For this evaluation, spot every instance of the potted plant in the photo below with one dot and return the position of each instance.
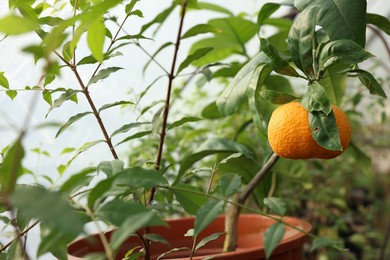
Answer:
(164, 176)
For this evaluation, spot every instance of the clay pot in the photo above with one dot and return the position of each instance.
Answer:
(250, 241)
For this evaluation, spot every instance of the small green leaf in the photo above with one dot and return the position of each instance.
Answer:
(135, 136)
(342, 51)
(207, 239)
(3, 81)
(11, 93)
(137, 177)
(369, 81)
(194, 56)
(67, 95)
(77, 181)
(278, 63)
(11, 167)
(128, 127)
(207, 214)
(320, 242)
(100, 192)
(102, 74)
(229, 184)
(173, 250)
(12, 25)
(119, 103)
(189, 197)
(315, 99)
(272, 237)
(324, 130)
(265, 12)
(95, 38)
(300, 39)
(156, 238)
(111, 168)
(200, 29)
(129, 7)
(160, 18)
(277, 205)
(215, 8)
(183, 121)
(277, 97)
(72, 120)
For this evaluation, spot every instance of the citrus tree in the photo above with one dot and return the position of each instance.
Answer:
(196, 154)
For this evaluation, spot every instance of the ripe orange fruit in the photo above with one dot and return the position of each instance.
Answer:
(289, 133)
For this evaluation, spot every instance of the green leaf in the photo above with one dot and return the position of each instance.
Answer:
(211, 111)
(67, 95)
(277, 205)
(137, 177)
(278, 63)
(340, 19)
(3, 81)
(320, 242)
(156, 238)
(189, 197)
(152, 57)
(209, 147)
(11, 93)
(11, 167)
(315, 99)
(102, 74)
(207, 239)
(160, 18)
(200, 29)
(231, 98)
(335, 83)
(369, 81)
(379, 21)
(265, 12)
(215, 8)
(277, 97)
(135, 136)
(324, 130)
(272, 237)
(229, 184)
(71, 120)
(342, 51)
(129, 7)
(12, 25)
(77, 181)
(99, 192)
(199, 53)
(119, 103)
(300, 39)
(95, 39)
(207, 214)
(111, 168)
(184, 120)
(128, 127)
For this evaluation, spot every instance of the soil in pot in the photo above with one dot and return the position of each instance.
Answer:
(250, 242)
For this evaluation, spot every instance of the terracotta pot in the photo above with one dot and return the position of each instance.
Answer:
(250, 242)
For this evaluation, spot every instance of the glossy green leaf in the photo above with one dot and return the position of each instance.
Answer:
(128, 127)
(229, 184)
(315, 99)
(200, 29)
(137, 177)
(278, 63)
(208, 239)
(231, 98)
(340, 19)
(197, 54)
(3, 81)
(379, 21)
(277, 97)
(342, 51)
(95, 38)
(335, 83)
(207, 214)
(272, 237)
(12, 25)
(67, 95)
(11, 167)
(189, 197)
(100, 192)
(209, 147)
(300, 39)
(324, 130)
(72, 120)
(102, 74)
(111, 168)
(369, 81)
(277, 205)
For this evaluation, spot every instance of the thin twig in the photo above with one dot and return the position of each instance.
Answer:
(4, 247)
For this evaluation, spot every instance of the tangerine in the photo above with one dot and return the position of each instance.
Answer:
(290, 136)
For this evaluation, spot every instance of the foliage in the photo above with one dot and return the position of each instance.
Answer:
(188, 154)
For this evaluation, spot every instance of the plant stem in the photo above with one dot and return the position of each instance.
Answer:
(171, 77)
(4, 247)
(233, 212)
